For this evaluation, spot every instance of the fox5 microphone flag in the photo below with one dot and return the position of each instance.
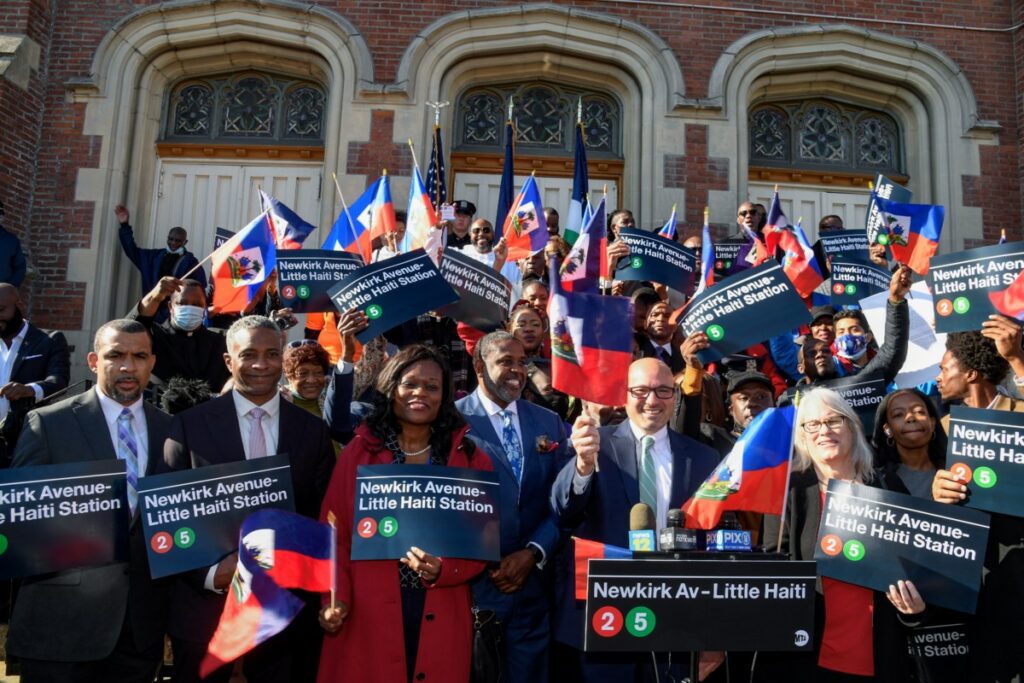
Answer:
(242, 264)
(277, 550)
(912, 231)
(754, 475)
(525, 230)
(290, 230)
(582, 268)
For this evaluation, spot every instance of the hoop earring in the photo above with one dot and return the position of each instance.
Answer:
(889, 441)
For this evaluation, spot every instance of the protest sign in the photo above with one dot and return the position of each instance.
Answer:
(886, 189)
(925, 349)
(745, 309)
(862, 394)
(447, 511)
(872, 537)
(220, 236)
(847, 243)
(986, 448)
(57, 517)
(305, 275)
(691, 605)
(726, 252)
(656, 259)
(853, 280)
(191, 518)
(967, 286)
(392, 291)
(484, 294)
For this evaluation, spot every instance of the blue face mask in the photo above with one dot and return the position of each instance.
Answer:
(851, 346)
(187, 318)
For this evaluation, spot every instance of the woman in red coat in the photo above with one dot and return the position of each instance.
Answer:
(407, 620)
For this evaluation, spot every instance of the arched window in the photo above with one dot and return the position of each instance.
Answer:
(824, 135)
(251, 107)
(544, 115)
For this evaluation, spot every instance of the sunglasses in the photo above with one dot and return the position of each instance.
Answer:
(752, 212)
(302, 342)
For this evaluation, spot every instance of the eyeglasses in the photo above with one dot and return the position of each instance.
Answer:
(644, 392)
(302, 342)
(753, 212)
(833, 424)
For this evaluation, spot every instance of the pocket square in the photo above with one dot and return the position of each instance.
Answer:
(34, 355)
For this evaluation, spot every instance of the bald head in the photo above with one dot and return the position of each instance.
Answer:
(10, 311)
(9, 292)
(651, 396)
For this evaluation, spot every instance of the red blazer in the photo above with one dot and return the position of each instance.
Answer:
(369, 646)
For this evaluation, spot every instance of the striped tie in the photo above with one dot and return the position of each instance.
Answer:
(257, 440)
(648, 476)
(128, 450)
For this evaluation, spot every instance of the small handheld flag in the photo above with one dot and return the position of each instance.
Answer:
(912, 231)
(525, 229)
(290, 230)
(581, 270)
(242, 264)
(668, 231)
(707, 257)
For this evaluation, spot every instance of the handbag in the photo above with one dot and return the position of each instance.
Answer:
(486, 666)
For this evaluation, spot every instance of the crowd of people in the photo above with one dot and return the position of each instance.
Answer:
(178, 387)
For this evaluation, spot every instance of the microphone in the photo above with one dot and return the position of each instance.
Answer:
(674, 536)
(641, 528)
(729, 536)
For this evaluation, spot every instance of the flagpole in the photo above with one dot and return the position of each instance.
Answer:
(208, 257)
(344, 206)
(789, 472)
(412, 149)
(332, 520)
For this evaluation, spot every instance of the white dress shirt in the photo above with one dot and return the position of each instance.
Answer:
(271, 421)
(662, 453)
(510, 270)
(7, 356)
(492, 409)
(111, 411)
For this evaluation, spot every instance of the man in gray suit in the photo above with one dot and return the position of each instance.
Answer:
(97, 624)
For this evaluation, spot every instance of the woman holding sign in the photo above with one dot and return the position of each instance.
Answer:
(410, 619)
(856, 638)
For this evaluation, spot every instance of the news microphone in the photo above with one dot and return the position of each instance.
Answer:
(641, 528)
(674, 536)
(729, 536)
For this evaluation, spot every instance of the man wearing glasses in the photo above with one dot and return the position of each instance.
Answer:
(613, 469)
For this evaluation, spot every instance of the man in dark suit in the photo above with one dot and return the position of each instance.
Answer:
(527, 444)
(97, 623)
(656, 341)
(250, 421)
(641, 461)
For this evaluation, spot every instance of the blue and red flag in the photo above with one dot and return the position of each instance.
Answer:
(754, 475)
(1002, 236)
(367, 218)
(591, 343)
(584, 551)
(1010, 301)
(290, 230)
(668, 231)
(419, 224)
(582, 268)
(798, 260)
(277, 550)
(707, 257)
(507, 188)
(575, 221)
(242, 264)
(525, 229)
(912, 231)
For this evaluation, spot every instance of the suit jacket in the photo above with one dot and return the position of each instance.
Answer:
(601, 512)
(43, 358)
(77, 615)
(526, 516)
(647, 350)
(208, 434)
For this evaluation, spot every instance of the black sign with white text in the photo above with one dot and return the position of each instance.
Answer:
(690, 605)
(446, 511)
(221, 235)
(305, 275)
(853, 280)
(656, 259)
(484, 294)
(872, 537)
(191, 518)
(863, 395)
(971, 285)
(392, 291)
(56, 517)
(726, 252)
(744, 309)
(986, 448)
(847, 243)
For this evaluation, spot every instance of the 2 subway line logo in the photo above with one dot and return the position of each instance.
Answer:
(959, 305)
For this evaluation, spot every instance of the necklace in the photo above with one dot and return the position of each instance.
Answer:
(420, 451)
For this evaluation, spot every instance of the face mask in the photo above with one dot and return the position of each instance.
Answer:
(188, 318)
(851, 346)
(179, 251)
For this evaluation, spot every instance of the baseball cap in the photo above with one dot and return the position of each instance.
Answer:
(737, 379)
(465, 208)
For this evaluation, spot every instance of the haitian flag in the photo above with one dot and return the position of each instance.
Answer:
(584, 551)
(277, 550)
(525, 229)
(576, 221)
(507, 188)
(242, 264)
(913, 231)
(798, 261)
(668, 231)
(419, 225)
(707, 257)
(367, 218)
(591, 343)
(290, 230)
(1010, 301)
(754, 475)
(581, 271)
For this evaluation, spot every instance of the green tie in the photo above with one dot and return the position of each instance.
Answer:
(648, 476)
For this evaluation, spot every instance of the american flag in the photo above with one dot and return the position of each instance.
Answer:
(437, 188)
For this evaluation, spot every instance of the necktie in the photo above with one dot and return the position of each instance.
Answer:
(648, 475)
(128, 450)
(257, 441)
(510, 441)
